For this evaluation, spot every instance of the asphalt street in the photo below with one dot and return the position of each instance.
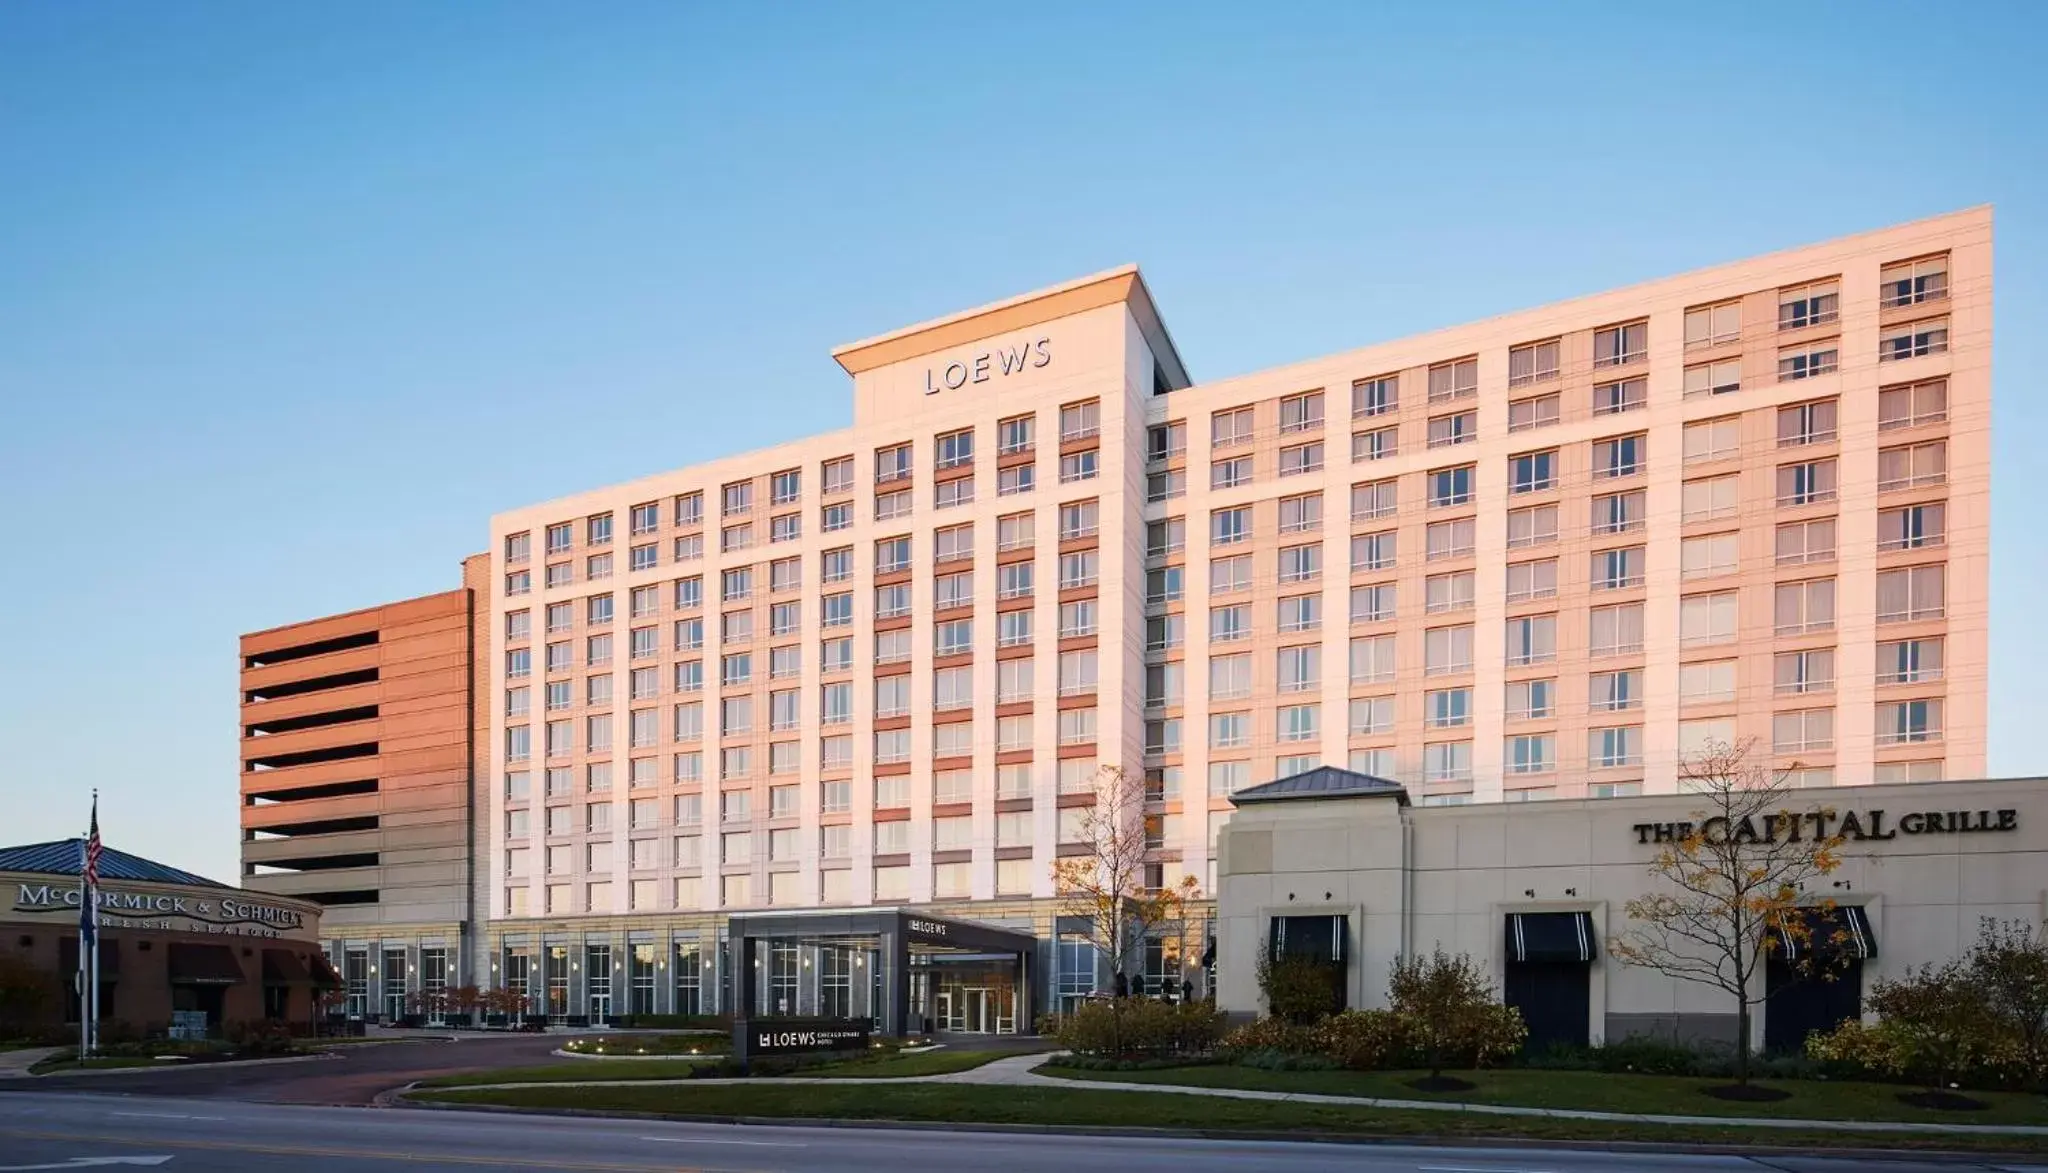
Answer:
(87, 1130)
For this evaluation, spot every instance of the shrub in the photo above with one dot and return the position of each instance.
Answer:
(259, 1036)
(1362, 1040)
(674, 1021)
(1268, 1036)
(1637, 1054)
(2010, 964)
(1448, 1009)
(1126, 1027)
(1940, 1020)
(1298, 988)
(1110, 1063)
(29, 998)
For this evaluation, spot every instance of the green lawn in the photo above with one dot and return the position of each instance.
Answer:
(599, 1070)
(940, 1062)
(1079, 1107)
(1659, 1094)
(54, 1063)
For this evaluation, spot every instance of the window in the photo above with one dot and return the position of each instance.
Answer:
(1446, 650)
(1230, 677)
(1913, 282)
(1909, 661)
(1807, 482)
(1013, 629)
(1615, 747)
(1531, 580)
(1450, 486)
(1808, 361)
(689, 509)
(1714, 378)
(1892, 772)
(1229, 730)
(1610, 692)
(1300, 669)
(893, 464)
(1540, 412)
(1298, 723)
(1798, 608)
(1166, 585)
(1619, 456)
(1446, 430)
(1164, 686)
(1227, 527)
(892, 555)
(953, 637)
(519, 582)
(787, 527)
(1912, 465)
(689, 548)
(1814, 304)
(1229, 574)
(892, 746)
(1369, 604)
(1230, 428)
(1013, 681)
(1449, 539)
(1532, 472)
(1165, 486)
(1013, 581)
(1447, 761)
(1080, 569)
(1378, 444)
(1458, 379)
(837, 475)
(1375, 499)
(1532, 362)
(1810, 671)
(1301, 514)
(1300, 563)
(1372, 716)
(1910, 405)
(1166, 441)
(1372, 659)
(1531, 639)
(1016, 434)
(1078, 421)
(1713, 325)
(597, 650)
(953, 544)
(689, 634)
(1709, 555)
(1531, 700)
(1301, 458)
(560, 574)
(1913, 340)
(1165, 632)
(1913, 527)
(1014, 532)
(954, 449)
(1448, 592)
(1706, 682)
(1375, 551)
(736, 537)
(1534, 525)
(1079, 466)
(1230, 624)
(1301, 413)
(1532, 753)
(1710, 498)
(1227, 474)
(1370, 397)
(951, 590)
(1800, 542)
(1447, 708)
(1615, 398)
(1616, 630)
(1077, 619)
(561, 536)
(1911, 593)
(1615, 345)
(1806, 423)
(836, 655)
(1908, 722)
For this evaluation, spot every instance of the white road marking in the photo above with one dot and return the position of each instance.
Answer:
(1474, 1169)
(165, 1116)
(87, 1163)
(758, 1144)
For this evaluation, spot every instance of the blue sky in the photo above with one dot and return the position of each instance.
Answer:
(293, 297)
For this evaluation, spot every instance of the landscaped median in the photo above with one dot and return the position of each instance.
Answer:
(1086, 1107)
(882, 1063)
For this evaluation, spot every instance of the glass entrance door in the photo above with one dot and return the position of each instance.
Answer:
(975, 1019)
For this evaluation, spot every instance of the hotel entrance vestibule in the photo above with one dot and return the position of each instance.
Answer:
(908, 973)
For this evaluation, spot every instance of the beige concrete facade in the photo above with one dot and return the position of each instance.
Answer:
(356, 783)
(1406, 879)
(762, 682)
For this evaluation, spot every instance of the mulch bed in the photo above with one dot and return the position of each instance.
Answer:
(1441, 1083)
(1747, 1093)
(1942, 1101)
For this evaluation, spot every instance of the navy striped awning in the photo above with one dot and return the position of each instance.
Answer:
(1551, 936)
(1828, 935)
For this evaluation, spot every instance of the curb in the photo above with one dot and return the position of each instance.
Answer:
(396, 1098)
(85, 1072)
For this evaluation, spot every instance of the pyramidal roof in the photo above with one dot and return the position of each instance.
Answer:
(66, 857)
(1322, 782)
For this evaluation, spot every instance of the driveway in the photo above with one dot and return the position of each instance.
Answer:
(354, 1074)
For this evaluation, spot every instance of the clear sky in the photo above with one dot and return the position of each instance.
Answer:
(294, 296)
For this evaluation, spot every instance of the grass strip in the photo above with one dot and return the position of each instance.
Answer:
(941, 1103)
(1597, 1091)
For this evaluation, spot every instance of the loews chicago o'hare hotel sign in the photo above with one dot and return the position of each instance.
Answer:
(127, 908)
(1009, 358)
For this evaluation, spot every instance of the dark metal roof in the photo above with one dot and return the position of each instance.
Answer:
(1322, 782)
(65, 857)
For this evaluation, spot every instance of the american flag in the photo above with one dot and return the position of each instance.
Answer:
(92, 847)
(88, 897)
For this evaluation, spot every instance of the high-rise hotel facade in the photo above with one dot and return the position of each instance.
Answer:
(1540, 556)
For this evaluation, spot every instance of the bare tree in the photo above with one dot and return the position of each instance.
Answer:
(1104, 886)
(1732, 883)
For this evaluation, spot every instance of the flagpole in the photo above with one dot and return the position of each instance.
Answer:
(83, 976)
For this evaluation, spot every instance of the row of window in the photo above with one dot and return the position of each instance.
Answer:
(833, 886)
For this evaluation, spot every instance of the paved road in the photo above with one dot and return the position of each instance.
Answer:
(354, 1075)
(40, 1130)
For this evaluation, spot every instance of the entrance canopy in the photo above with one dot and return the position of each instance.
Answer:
(1550, 936)
(1829, 935)
(204, 965)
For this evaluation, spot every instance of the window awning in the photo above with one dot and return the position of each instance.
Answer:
(1551, 936)
(282, 967)
(1318, 938)
(323, 971)
(1827, 935)
(203, 965)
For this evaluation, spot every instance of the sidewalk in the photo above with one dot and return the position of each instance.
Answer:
(13, 1063)
(1016, 1071)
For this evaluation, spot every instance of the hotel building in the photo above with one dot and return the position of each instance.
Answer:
(1538, 557)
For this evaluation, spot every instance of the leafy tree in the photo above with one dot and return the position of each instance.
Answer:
(1449, 1012)
(1939, 1019)
(1297, 988)
(1732, 882)
(2010, 963)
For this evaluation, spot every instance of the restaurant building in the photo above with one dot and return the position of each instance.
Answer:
(169, 941)
(1346, 868)
(1534, 559)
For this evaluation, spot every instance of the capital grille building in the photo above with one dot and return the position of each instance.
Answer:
(1543, 556)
